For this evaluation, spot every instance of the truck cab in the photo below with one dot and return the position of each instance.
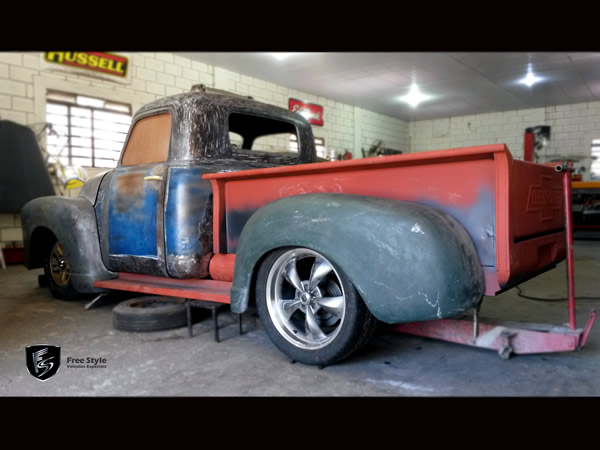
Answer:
(152, 214)
(155, 213)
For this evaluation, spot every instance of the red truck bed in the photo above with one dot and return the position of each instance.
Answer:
(513, 210)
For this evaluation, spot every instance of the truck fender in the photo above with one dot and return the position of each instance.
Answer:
(90, 188)
(73, 222)
(409, 262)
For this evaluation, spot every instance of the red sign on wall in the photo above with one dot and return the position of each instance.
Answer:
(311, 112)
(97, 61)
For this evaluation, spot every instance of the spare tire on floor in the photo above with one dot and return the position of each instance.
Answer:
(150, 313)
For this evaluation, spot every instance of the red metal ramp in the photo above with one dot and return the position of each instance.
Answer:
(507, 337)
(208, 290)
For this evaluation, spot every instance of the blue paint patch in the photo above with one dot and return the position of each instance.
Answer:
(132, 215)
(185, 210)
(479, 220)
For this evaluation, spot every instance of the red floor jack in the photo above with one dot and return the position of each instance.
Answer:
(516, 337)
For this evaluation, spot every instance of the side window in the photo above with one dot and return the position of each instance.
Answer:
(263, 134)
(149, 141)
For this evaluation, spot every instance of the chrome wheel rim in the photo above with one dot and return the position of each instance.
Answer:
(59, 267)
(305, 298)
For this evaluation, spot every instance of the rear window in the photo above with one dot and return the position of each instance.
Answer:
(261, 134)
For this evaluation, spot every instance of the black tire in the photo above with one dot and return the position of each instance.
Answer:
(61, 288)
(354, 331)
(150, 313)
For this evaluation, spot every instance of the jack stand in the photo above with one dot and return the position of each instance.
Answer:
(214, 307)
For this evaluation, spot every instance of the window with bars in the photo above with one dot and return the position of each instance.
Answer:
(85, 131)
(319, 144)
(595, 168)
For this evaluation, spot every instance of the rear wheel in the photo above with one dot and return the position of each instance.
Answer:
(309, 308)
(58, 273)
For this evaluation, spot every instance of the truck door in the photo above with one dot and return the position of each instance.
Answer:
(135, 229)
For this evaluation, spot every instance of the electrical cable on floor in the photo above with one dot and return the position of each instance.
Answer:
(540, 299)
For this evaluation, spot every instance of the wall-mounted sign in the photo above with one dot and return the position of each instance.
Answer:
(100, 63)
(311, 112)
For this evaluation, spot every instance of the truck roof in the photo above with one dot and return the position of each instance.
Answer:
(201, 100)
(201, 121)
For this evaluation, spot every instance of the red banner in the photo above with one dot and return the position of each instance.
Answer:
(311, 112)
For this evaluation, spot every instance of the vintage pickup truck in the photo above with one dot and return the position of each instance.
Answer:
(325, 249)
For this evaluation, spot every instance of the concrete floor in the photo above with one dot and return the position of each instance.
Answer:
(168, 363)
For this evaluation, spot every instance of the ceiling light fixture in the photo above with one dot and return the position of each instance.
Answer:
(530, 79)
(414, 96)
(280, 56)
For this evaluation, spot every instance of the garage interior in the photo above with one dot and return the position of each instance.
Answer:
(544, 106)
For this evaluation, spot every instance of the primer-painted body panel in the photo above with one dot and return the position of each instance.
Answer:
(408, 261)
(73, 222)
(90, 188)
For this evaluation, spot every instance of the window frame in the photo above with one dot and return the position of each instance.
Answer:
(316, 147)
(134, 122)
(263, 116)
(50, 101)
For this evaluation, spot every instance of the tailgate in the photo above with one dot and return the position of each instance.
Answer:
(536, 201)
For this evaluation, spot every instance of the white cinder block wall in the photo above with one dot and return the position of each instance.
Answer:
(393, 132)
(572, 129)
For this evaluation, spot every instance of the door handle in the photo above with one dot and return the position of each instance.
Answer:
(153, 177)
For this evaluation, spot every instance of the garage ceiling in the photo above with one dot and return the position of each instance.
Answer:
(460, 83)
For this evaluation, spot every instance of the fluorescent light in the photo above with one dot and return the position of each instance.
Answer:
(530, 79)
(280, 56)
(414, 96)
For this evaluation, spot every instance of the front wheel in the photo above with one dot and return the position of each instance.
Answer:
(58, 273)
(309, 308)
